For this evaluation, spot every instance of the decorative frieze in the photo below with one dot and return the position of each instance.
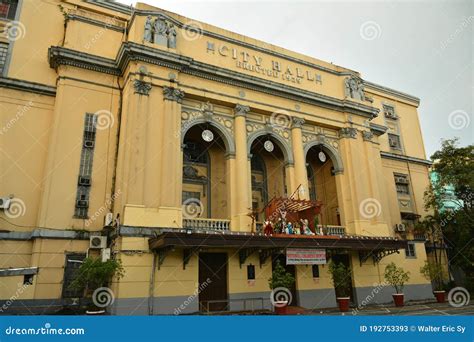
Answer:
(141, 87)
(348, 132)
(173, 94)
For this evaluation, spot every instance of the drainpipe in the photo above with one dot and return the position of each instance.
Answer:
(151, 295)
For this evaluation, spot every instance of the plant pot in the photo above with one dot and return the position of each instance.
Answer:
(343, 303)
(398, 299)
(280, 307)
(440, 296)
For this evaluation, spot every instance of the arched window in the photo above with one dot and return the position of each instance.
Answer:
(259, 184)
(311, 182)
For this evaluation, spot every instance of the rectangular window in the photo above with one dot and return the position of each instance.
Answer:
(85, 167)
(389, 112)
(402, 184)
(8, 9)
(315, 271)
(394, 141)
(71, 267)
(410, 252)
(3, 56)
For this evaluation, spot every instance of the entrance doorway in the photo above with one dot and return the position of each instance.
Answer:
(345, 259)
(290, 269)
(213, 282)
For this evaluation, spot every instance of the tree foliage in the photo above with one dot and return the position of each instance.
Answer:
(281, 278)
(396, 276)
(341, 278)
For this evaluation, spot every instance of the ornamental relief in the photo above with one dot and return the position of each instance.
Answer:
(283, 132)
(320, 138)
(206, 112)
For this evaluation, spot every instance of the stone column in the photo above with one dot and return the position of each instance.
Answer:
(240, 220)
(300, 174)
(170, 213)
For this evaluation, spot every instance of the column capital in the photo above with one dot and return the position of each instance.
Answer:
(367, 135)
(241, 110)
(173, 94)
(297, 122)
(141, 87)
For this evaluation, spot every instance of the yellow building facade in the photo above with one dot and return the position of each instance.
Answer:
(165, 138)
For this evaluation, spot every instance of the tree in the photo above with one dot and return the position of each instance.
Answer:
(280, 278)
(341, 278)
(453, 167)
(396, 276)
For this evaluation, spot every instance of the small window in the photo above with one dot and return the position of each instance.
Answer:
(394, 141)
(28, 279)
(315, 271)
(8, 9)
(402, 184)
(410, 252)
(251, 272)
(389, 112)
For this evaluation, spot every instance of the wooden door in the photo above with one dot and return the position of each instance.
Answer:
(213, 282)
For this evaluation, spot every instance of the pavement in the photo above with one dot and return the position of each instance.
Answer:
(410, 309)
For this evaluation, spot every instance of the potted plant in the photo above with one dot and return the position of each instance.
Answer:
(434, 273)
(95, 274)
(281, 281)
(397, 277)
(340, 275)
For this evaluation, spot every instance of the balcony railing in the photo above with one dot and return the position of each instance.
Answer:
(331, 230)
(206, 224)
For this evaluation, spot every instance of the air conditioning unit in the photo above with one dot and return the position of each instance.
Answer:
(88, 143)
(400, 227)
(82, 204)
(84, 180)
(5, 202)
(98, 242)
(108, 219)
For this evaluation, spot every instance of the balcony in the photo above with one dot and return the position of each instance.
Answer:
(206, 224)
(331, 230)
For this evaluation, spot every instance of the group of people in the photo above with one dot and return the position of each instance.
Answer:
(284, 226)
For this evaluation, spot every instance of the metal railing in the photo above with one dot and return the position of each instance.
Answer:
(248, 304)
(206, 224)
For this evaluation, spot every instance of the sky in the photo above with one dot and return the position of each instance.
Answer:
(423, 48)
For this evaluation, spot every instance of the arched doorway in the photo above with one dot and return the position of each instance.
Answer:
(322, 183)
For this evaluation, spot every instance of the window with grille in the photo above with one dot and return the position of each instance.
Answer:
(8, 9)
(85, 167)
(402, 184)
(410, 252)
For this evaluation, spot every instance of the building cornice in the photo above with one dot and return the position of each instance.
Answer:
(392, 92)
(377, 129)
(31, 87)
(403, 158)
(95, 22)
(112, 5)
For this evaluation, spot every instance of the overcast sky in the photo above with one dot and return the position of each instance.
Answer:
(424, 48)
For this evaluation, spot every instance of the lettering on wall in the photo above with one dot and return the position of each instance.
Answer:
(266, 67)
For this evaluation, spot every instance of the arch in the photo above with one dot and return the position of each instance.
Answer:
(282, 144)
(221, 130)
(331, 151)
